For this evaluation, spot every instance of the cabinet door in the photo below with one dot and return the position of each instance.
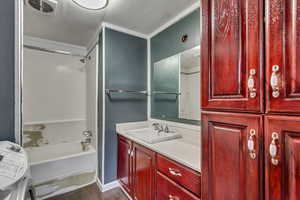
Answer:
(231, 55)
(282, 158)
(231, 156)
(124, 163)
(283, 56)
(143, 173)
(168, 189)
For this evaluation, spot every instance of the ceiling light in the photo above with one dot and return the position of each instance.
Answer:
(91, 4)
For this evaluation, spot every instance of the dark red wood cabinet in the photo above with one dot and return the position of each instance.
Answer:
(282, 158)
(167, 189)
(146, 175)
(143, 173)
(248, 66)
(183, 176)
(232, 55)
(136, 169)
(231, 156)
(282, 56)
(124, 163)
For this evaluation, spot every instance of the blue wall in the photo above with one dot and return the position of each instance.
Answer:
(168, 43)
(7, 53)
(100, 106)
(125, 68)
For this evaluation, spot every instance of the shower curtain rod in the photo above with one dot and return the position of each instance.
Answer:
(53, 51)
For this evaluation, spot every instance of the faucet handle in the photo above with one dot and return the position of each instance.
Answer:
(87, 133)
(167, 130)
(156, 126)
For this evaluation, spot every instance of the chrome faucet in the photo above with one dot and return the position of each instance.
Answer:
(157, 127)
(160, 128)
(87, 141)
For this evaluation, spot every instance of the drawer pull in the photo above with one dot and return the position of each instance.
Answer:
(275, 81)
(251, 84)
(172, 197)
(251, 145)
(174, 172)
(273, 149)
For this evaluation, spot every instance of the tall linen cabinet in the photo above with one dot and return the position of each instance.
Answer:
(250, 99)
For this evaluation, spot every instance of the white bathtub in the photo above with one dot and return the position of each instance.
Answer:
(49, 153)
(61, 168)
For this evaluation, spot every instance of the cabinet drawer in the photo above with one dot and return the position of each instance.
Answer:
(169, 190)
(184, 176)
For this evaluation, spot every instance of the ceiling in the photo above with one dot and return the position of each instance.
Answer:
(74, 25)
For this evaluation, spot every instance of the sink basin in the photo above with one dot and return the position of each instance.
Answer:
(150, 136)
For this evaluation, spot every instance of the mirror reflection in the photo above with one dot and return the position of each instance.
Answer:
(176, 86)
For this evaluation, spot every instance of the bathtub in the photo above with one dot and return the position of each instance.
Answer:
(50, 153)
(61, 168)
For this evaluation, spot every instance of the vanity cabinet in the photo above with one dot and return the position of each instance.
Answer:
(231, 156)
(282, 158)
(232, 55)
(136, 169)
(168, 189)
(143, 173)
(282, 56)
(125, 163)
(147, 175)
(183, 176)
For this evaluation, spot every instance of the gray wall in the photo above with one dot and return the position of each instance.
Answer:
(100, 106)
(7, 53)
(125, 68)
(168, 43)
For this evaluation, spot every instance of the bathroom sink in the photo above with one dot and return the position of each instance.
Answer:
(151, 136)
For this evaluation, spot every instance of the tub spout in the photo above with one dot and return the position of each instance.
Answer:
(87, 141)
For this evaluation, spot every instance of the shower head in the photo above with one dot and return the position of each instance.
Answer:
(82, 60)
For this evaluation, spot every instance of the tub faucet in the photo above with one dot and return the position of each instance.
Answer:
(87, 141)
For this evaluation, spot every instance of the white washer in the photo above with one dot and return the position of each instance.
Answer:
(14, 172)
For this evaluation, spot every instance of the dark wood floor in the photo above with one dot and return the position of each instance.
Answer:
(92, 192)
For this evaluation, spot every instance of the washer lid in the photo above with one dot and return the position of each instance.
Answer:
(13, 164)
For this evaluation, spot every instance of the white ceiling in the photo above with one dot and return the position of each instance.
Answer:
(74, 25)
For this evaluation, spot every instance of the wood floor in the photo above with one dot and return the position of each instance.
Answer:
(92, 192)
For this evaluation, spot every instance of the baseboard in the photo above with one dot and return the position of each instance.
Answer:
(125, 192)
(108, 186)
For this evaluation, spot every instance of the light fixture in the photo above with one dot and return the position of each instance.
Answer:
(91, 4)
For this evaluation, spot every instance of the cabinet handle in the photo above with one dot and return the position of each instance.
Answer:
(129, 152)
(275, 81)
(132, 153)
(273, 149)
(174, 172)
(251, 145)
(251, 84)
(172, 197)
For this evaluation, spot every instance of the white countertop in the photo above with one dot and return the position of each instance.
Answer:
(185, 150)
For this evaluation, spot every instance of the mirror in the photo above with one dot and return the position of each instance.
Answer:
(176, 87)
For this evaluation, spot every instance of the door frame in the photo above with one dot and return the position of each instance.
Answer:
(18, 66)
